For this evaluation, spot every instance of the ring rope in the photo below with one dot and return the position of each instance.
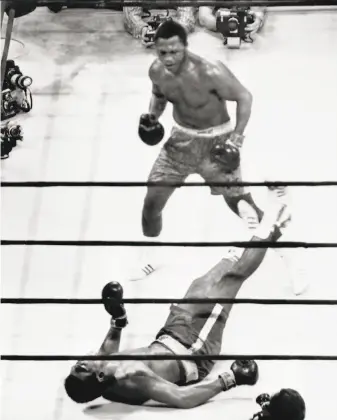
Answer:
(44, 358)
(173, 3)
(237, 244)
(164, 301)
(45, 184)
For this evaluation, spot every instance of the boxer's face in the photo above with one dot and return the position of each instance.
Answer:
(84, 368)
(171, 52)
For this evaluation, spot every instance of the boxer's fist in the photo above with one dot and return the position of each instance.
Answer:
(112, 295)
(150, 130)
(246, 372)
(227, 155)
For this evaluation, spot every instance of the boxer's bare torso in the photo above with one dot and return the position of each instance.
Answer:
(194, 92)
(128, 390)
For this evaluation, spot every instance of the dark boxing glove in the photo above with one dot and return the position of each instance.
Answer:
(112, 295)
(150, 130)
(246, 372)
(227, 154)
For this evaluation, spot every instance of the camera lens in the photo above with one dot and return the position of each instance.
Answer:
(21, 81)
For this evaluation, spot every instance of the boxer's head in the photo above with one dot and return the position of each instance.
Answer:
(286, 404)
(81, 384)
(171, 42)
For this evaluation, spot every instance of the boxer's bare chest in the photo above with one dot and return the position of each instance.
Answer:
(191, 89)
(128, 391)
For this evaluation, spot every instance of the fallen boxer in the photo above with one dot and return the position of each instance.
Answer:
(190, 329)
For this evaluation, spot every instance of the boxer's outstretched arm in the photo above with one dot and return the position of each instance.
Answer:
(229, 88)
(111, 342)
(158, 389)
(158, 100)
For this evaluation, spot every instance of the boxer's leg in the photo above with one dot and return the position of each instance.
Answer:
(241, 202)
(165, 170)
(200, 327)
(171, 166)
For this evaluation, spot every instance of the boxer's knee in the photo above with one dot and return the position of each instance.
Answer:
(154, 203)
(155, 200)
(152, 225)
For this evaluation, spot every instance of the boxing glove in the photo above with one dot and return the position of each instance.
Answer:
(227, 154)
(246, 372)
(150, 130)
(112, 295)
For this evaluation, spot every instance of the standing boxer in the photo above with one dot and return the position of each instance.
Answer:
(203, 140)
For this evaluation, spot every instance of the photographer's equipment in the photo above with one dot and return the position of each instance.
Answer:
(15, 94)
(55, 7)
(154, 22)
(11, 133)
(20, 7)
(232, 24)
(263, 401)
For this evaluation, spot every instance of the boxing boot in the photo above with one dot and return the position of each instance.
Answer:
(112, 296)
(147, 263)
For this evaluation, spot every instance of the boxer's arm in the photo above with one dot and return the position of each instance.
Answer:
(158, 389)
(133, 21)
(158, 100)
(229, 88)
(111, 342)
(186, 16)
(207, 18)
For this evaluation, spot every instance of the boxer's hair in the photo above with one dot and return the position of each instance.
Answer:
(169, 29)
(287, 405)
(83, 390)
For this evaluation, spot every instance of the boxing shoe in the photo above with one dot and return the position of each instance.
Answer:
(141, 271)
(146, 264)
(112, 296)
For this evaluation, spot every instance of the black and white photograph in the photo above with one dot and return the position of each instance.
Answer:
(168, 210)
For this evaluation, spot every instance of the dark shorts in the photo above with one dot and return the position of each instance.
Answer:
(200, 333)
(186, 153)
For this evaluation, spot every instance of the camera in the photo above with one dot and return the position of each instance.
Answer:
(232, 24)
(263, 400)
(154, 24)
(11, 133)
(16, 96)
